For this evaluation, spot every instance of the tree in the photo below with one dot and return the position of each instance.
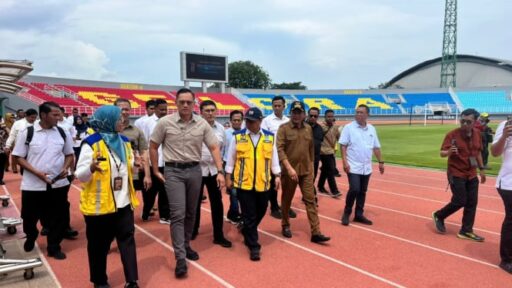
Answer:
(291, 86)
(245, 74)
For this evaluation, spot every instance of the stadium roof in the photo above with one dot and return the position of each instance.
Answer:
(461, 58)
(10, 72)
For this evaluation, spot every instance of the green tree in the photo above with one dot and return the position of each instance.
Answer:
(245, 74)
(291, 86)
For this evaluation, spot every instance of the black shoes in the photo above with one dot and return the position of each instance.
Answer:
(345, 219)
(70, 234)
(132, 284)
(286, 232)
(507, 266)
(276, 213)
(102, 285)
(191, 254)
(336, 194)
(254, 255)
(438, 223)
(319, 238)
(470, 236)
(44, 231)
(59, 255)
(322, 190)
(29, 245)
(222, 242)
(292, 213)
(181, 268)
(363, 220)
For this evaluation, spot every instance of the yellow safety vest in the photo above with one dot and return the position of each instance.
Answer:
(97, 196)
(253, 161)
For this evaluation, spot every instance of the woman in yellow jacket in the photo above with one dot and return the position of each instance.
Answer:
(108, 197)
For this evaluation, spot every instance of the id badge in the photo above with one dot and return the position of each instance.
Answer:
(472, 161)
(118, 183)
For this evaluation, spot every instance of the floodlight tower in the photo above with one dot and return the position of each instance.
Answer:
(449, 59)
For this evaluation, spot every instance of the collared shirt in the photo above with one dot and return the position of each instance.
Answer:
(331, 137)
(318, 137)
(83, 173)
(504, 180)
(139, 123)
(296, 145)
(272, 122)
(137, 138)
(16, 128)
(255, 137)
(182, 141)
(459, 164)
(360, 142)
(46, 154)
(207, 163)
(147, 129)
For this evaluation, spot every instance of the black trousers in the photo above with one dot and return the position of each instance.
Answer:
(485, 154)
(3, 161)
(272, 194)
(328, 171)
(358, 185)
(464, 195)
(101, 231)
(149, 196)
(254, 205)
(50, 208)
(506, 227)
(216, 206)
(316, 163)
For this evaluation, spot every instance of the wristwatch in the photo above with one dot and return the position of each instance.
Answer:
(381, 162)
(221, 171)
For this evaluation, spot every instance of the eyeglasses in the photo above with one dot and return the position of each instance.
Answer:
(313, 116)
(466, 122)
(183, 102)
(208, 110)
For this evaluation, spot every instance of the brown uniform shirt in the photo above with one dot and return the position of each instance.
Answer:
(331, 136)
(181, 141)
(296, 145)
(459, 164)
(136, 137)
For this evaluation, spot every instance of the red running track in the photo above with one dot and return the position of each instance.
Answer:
(401, 249)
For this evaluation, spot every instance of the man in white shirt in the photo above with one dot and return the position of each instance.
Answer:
(150, 110)
(502, 145)
(358, 140)
(236, 118)
(272, 123)
(209, 171)
(46, 159)
(157, 186)
(17, 127)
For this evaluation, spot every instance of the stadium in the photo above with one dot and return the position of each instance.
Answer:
(411, 113)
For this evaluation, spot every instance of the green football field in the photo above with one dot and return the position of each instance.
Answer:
(419, 145)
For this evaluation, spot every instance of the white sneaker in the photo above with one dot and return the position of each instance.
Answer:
(165, 221)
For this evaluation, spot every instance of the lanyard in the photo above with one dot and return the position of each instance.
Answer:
(118, 166)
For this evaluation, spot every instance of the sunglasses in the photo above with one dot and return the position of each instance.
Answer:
(183, 102)
(313, 116)
(466, 122)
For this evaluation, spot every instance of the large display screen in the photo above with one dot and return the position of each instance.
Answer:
(203, 67)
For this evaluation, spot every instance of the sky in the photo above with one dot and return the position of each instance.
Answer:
(325, 44)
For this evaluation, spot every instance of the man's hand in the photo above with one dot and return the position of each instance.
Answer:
(229, 183)
(7, 150)
(482, 177)
(147, 182)
(220, 180)
(507, 131)
(453, 150)
(278, 182)
(381, 167)
(44, 177)
(346, 167)
(293, 174)
(159, 175)
(95, 165)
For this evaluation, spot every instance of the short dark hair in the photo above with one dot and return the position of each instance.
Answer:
(328, 111)
(122, 100)
(470, 111)
(234, 112)
(159, 101)
(276, 98)
(365, 107)
(150, 103)
(62, 109)
(19, 110)
(75, 109)
(207, 103)
(46, 107)
(31, 112)
(183, 91)
(84, 115)
(314, 109)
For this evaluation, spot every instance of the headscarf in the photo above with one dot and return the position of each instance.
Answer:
(9, 120)
(104, 121)
(80, 128)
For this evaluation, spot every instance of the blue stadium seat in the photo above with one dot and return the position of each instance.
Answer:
(486, 101)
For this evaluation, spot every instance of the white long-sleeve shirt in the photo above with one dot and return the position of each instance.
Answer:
(16, 128)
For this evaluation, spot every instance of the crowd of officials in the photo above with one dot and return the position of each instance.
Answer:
(163, 156)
